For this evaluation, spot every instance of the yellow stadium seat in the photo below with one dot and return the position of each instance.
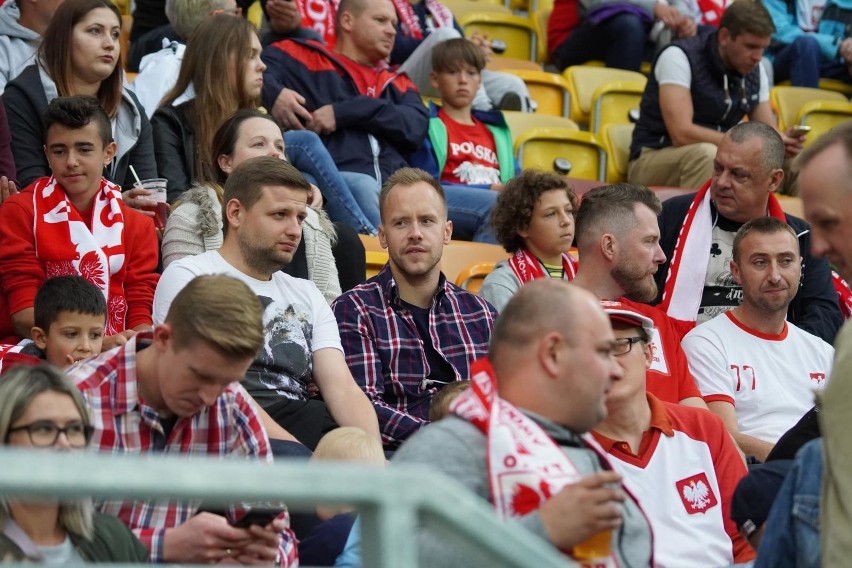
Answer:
(520, 121)
(376, 260)
(460, 8)
(518, 33)
(123, 6)
(371, 243)
(822, 116)
(826, 85)
(500, 63)
(255, 14)
(549, 90)
(584, 80)
(459, 255)
(471, 277)
(787, 101)
(616, 138)
(539, 148)
(612, 103)
(540, 17)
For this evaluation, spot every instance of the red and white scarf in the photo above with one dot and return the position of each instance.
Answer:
(527, 268)
(66, 246)
(410, 25)
(525, 466)
(11, 355)
(684, 284)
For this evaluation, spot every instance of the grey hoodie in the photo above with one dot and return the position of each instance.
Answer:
(18, 44)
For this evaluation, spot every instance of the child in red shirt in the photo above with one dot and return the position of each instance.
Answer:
(74, 222)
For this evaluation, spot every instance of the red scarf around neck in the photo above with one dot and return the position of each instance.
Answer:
(67, 246)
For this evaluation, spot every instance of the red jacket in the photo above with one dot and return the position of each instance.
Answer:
(22, 272)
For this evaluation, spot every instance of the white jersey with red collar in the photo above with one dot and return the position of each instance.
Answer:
(770, 379)
(684, 478)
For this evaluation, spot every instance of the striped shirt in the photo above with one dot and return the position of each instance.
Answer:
(385, 352)
(124, 424)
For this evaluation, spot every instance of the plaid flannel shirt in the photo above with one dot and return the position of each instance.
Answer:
(384, 349)
(124, 424)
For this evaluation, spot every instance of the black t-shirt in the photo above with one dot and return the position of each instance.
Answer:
(440, 371)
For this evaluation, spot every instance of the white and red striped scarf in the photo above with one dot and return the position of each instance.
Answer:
(527, 268)
(409, 24)
(525, 466)
(684, 286)
(66, 246)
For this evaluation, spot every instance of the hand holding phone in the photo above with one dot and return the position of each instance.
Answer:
(261, 517)
(799, 130)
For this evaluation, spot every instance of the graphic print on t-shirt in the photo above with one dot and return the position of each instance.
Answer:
(284, 364)
(721, 291)
(471, 154)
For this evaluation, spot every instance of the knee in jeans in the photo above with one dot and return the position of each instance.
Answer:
(806, 46)
(629, 30)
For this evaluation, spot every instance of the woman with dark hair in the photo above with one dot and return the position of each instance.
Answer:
(79, 54)
(534, 220)
(41, 408)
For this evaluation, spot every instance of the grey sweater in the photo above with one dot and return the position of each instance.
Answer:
(457, 449)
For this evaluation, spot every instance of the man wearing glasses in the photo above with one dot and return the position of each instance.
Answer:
(618, 239)
(679, 462)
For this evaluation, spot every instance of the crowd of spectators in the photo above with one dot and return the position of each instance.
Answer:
(181, 272)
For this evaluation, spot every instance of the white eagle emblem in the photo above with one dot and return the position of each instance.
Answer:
(470, 173)
(697, 493)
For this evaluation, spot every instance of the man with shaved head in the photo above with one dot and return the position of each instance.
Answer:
(516, 437)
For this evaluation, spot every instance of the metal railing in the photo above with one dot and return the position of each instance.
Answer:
(394, 503)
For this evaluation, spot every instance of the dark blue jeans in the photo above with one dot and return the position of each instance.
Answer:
(620, 41)
(791, 537)
(801, 62)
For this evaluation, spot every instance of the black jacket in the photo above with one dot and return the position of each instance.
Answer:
(26, 99)
(815, 307)
(174, 148)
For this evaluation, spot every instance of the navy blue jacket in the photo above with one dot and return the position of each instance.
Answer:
(815, 307)
(395, 118)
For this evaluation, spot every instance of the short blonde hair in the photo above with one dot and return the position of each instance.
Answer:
(348, 443)
(221, 311)
(440, 407)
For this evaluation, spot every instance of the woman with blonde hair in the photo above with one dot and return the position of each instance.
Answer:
(41, 409)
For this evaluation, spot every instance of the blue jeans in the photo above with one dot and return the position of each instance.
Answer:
(791, 537)
(469, 208)
(799, 62)
(365, 190)
(306, 152)
(621, 41)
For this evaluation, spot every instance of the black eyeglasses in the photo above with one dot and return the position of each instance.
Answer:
(623, 345)
(44, 434)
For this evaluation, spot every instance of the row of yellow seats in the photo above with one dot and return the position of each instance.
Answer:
(821, 109)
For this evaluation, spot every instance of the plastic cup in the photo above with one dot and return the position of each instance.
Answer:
(157, 187)
(596, 547)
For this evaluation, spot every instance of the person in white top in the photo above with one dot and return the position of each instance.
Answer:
(680, 462)
(265, 203)
(699, 88)
(756, 370)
